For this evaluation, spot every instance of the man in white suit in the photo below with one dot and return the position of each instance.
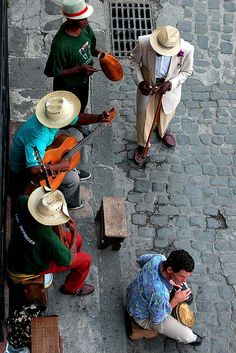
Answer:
(160, 63)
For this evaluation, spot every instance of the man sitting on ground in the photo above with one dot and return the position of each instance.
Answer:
(148, 296)
(35, 247)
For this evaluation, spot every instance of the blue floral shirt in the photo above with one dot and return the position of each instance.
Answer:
(149, 294)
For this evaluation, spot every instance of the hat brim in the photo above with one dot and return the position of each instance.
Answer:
(87, 14)
(160, 50)
(40, 109)
(54, 220)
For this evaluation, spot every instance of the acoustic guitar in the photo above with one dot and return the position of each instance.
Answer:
(68, 147)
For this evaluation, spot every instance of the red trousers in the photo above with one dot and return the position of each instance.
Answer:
(79, 268)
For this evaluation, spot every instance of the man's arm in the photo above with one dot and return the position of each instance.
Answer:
(106, 117)
(136, 63)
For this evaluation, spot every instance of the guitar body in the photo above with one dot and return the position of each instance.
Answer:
(55, 153)
(68, 147)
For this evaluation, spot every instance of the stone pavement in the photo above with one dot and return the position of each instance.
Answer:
(183, 198)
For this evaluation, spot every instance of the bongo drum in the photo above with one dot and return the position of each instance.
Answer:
(184, 314)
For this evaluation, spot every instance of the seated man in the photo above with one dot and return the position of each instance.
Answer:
(35, 247)
(53, 111)
(148, 296)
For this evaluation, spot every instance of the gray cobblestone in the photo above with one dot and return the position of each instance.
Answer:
(159, 220)
(193, 169)
(226, 48)
(184, 26)
(142, 185)
(203, 42)
(147, 232)
(219, 181)
(197, 221)
(211, 211)
(178, 200)
(223, 171)
(139, 218)
(209, 192)
(230, 6)
(196, 200)
(232, 182)
(201, 28)
(225, 192)
(192, 190)
(212, 4)
(134, 197)
(165, 233)
(217, 140)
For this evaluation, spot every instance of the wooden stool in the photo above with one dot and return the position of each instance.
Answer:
(28, 292)
(112, 218)
(136, 332)
(45, 335)
(34, 290)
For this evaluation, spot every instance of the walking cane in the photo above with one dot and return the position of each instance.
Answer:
(154, 124)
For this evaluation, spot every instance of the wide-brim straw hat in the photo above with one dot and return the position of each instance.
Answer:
(165, 40)
(58, 109)
(76, 9)
(48, 206)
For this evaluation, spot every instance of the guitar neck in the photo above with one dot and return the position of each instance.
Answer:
(85, 140)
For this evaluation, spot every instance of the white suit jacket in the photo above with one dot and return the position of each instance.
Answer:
(180, 68)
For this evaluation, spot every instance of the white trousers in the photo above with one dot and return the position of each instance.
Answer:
(144, 120)
(171, 328)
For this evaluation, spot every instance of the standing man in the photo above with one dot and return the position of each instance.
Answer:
(160, 63)
(54, 111)
(35, 247)
(70, 61)
(148, 296)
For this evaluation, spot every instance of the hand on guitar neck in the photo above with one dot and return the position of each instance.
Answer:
(106, 117)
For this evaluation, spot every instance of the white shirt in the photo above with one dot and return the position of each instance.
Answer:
(162, 66)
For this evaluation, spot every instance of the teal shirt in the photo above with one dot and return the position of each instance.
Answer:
(33, 245)
(32, 133)
(67, 52)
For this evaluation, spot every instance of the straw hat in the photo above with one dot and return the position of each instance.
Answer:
(165, 40)
(76, 9)
(58, 109)
(48, 206)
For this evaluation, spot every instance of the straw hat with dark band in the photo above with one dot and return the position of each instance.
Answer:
(165, 41)
(76, 9)
(58, 109)
(48, 206)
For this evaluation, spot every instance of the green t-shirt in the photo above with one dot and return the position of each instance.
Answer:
(33, 245)
(67, 52)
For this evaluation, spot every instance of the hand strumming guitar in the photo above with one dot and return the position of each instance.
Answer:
(37, 175)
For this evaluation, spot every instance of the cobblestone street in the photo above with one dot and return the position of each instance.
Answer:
(183, 198)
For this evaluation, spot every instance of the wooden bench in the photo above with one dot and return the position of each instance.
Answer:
(136, 332)
(45, 335)
(112, 219)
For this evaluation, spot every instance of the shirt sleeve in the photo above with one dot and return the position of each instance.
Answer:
(92, 38)
(58, 252)
(159, 308)
(56, 62)
(143, 259)
(31, 160)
